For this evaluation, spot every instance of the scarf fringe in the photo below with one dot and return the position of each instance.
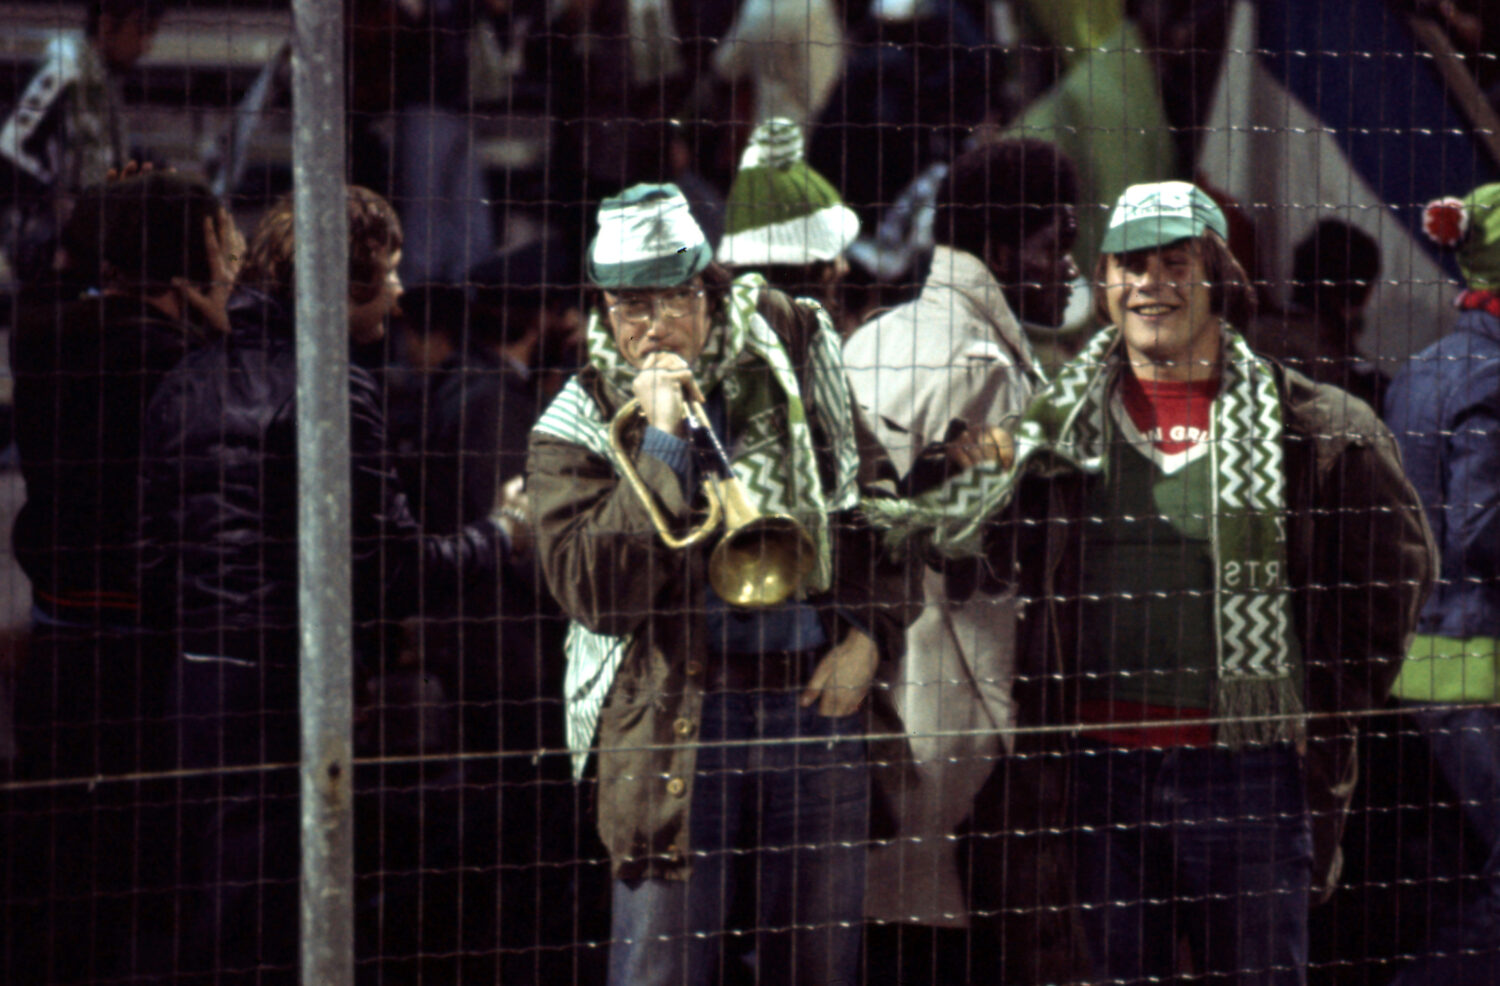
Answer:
(1259, 711)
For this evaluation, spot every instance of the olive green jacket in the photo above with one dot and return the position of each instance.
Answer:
(611, 572)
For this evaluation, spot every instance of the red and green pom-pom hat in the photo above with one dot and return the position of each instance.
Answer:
(1472, 227)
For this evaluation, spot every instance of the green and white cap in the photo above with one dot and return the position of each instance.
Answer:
(1159, 213)
(781, 211)
(647, 239)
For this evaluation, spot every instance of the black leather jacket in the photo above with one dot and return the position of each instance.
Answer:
(84, 373)
(220, 501)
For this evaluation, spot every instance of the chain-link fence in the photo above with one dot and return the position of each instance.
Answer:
(776, 491)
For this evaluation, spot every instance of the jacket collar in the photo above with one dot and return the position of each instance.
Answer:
(955, 274)
(1479, 322)
(253, 312)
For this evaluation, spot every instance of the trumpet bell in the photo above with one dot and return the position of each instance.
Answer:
(762, 563)
(762, 558)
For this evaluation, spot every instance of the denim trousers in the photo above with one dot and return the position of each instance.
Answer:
(1464, 947)
(777, 845)
(1211, 844)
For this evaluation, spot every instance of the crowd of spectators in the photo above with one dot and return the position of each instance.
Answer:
(1048, 586)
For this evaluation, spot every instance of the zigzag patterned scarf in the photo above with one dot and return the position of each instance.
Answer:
(773, 453)
(1068, 428)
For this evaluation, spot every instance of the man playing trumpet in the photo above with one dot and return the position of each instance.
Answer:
(731, 750)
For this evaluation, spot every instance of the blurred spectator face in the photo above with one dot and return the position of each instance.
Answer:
(561, 348)
(1161, 301)
(562, 334)
(645, 322)
(367, 318)
(125, 40)
(430, 324)
(1040, 274)
(425, 352)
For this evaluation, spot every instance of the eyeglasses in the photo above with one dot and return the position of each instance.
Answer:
(640, 309)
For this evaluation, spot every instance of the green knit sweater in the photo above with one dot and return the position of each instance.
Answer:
(1148, 584)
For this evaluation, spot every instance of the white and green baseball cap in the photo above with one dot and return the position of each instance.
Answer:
(647, 239)
(780, 211)
(1158, 213)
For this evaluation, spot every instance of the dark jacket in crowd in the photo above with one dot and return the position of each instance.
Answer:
(478, 419)
(1444, 407)
(84, 374)
(495, 643)
(221, 500)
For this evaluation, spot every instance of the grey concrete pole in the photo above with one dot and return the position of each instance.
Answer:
(324, 595)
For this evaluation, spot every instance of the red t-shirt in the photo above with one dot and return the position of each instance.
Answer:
(1174, 416)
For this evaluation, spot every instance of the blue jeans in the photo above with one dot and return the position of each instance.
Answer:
(1465, 748)
(1209, 843)
(785, 823)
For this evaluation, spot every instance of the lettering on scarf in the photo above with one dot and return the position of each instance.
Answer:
(1252, 574)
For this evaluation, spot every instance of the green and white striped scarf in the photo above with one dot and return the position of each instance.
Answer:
(773, 453)
(1068, 428)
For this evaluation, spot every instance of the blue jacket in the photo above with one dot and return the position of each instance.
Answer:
(1444, 408)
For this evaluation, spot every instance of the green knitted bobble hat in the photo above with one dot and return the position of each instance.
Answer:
(782, 212)
(647, 240)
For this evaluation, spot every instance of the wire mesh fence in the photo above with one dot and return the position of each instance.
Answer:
(750, 491)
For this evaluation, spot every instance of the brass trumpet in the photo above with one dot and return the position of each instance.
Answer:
(762, 558)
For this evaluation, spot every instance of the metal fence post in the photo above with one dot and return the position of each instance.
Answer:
(322, 236)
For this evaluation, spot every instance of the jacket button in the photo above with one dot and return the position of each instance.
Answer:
(694, 668)
(677, 787)
(683, 727)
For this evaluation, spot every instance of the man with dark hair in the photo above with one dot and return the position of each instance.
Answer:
(468, 412)
(67, 131)
(998, 196)
(1334, 271)
(429, 430)
(221, 527)
(1334, 267)
(167, 246)
(1221, 562)
(938, 370)
(91, 693)
(478, 352)
(528, 308)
